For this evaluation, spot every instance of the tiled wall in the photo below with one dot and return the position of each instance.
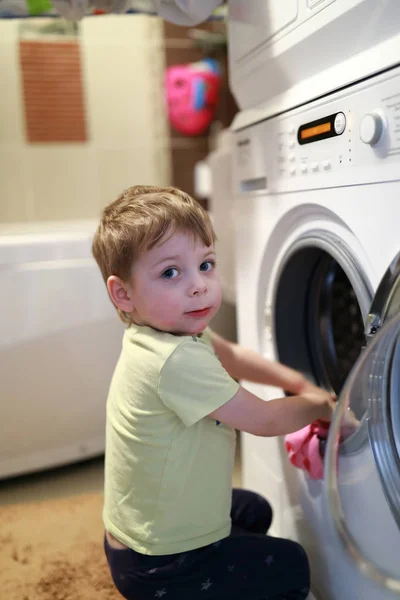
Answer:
(53, 92)
(128, 138)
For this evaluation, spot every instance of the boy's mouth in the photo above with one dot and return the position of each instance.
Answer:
(199, 313)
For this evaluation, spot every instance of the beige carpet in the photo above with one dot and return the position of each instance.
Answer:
(53, 551)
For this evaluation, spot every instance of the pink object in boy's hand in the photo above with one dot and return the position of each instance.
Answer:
(303, 448)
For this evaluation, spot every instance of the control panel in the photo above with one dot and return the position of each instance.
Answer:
(316, 146)
(341, 134)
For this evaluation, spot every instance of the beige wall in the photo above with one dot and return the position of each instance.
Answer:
(128, 136)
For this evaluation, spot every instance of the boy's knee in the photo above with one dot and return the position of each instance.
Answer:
(258, 512)
(301, 566)
(265, 512)
(298, 554)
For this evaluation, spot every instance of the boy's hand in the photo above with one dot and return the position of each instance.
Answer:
(307, 386)
(322, 399)
(350, 422)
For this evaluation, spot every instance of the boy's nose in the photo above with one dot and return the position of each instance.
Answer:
(198, 286)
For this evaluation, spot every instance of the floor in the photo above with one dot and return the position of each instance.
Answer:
(65, 481)
(81, 478)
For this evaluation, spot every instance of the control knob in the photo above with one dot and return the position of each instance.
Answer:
(372, 127)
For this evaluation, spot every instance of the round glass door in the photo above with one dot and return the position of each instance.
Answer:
(363, 488)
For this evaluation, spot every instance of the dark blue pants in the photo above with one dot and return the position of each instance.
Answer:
(247, 565)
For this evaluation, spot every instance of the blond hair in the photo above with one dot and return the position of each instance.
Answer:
(137, 220)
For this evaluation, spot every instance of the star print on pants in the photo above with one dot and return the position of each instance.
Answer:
(160, 593)
(181, 560)
(206, 585)
(269, 560)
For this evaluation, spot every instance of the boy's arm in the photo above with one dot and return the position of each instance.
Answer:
(247, 412)
(244, 364)
(280, 416)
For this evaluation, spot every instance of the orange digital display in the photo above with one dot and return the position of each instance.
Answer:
(316, 130)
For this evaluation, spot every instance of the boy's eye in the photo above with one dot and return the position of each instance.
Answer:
(207, 265)
(170, 273)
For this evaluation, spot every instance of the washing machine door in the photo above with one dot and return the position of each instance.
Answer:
(363, 484)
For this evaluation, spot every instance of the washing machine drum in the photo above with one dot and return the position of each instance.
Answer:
(318, 322)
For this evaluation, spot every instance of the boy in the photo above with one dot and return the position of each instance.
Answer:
(174, 527)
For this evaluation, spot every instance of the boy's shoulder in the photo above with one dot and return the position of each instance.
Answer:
(162, 343)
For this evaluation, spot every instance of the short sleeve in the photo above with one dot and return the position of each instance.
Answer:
(193, 383)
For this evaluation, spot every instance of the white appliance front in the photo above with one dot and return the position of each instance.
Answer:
(317, 213)
(307, 47)
(60, 340)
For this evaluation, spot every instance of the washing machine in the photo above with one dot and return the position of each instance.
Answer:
(317, 216)
(279, 51)
(60, 340)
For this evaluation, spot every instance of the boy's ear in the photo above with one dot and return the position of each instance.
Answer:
(120, 293)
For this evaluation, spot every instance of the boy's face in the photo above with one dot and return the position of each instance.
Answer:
(175, 286)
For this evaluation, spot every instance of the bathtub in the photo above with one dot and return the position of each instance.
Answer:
(60, 339)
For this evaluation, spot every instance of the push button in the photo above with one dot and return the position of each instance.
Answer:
(340, 123)
(304, 168)
(315, 167)
(327, 165)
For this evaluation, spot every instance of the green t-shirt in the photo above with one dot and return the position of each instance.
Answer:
(168, 466)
